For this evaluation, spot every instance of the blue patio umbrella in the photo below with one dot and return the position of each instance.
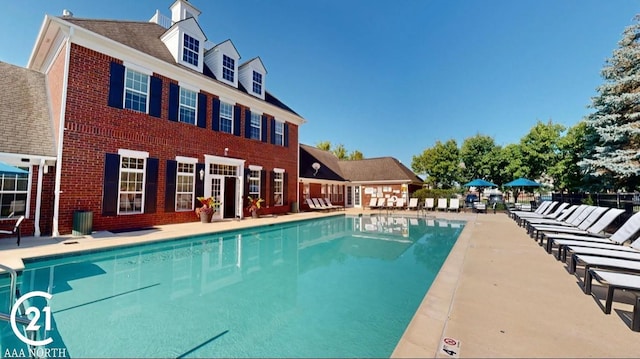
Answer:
(6, 169)
(522, 182)
(480, 183)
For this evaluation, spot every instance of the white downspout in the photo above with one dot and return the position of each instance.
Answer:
(38, 199)
(63, 110)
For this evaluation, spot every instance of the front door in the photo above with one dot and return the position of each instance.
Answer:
(356, 196)
(216, 190)
(229, 202)
(349, 198)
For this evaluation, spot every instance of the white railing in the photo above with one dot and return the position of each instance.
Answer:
(161, 20)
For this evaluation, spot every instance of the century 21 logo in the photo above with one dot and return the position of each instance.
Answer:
(33, 325)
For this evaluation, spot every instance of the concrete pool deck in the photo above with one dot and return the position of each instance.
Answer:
(499, 293)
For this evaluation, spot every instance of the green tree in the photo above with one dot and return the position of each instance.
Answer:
(340, 151)
(440, 164)
(356, 155)
(539, 148)
(476, 154)
(324, 145)
(566, 173)
(613, 145)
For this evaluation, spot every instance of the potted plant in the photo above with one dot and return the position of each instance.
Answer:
(205, 213)
(254, 206)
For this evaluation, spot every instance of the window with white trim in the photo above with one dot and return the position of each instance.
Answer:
(256, 126)
(257, 83)
(279, 131)
(188, 103)
(131, 192)
(185, 186)
(254, 183)
(136, 91)
(228, 68)
(226, 117)
(14, 189)
(278, 186)
(190, 50)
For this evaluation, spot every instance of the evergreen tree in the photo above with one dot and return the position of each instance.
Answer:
(613, 146)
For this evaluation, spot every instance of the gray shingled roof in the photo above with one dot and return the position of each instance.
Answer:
(145, 37)
(377, 169)
(26, 123)
(327, 159)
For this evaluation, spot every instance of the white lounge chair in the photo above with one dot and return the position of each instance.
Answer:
(556, 211)
(429, 204)
(442, 204)
(399, 203)
(15, 230)
(537, 229)
(336, 206)
(413, 204)
(565, 219)
(480, 207)
(591, 225)
(623, 281)
(312, 205)
(595, 262)
(454, 204)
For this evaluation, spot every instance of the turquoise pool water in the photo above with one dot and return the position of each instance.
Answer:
(334, 287)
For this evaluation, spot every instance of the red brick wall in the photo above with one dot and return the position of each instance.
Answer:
(94, 129)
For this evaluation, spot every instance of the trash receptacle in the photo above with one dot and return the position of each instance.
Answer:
(294, 207)
(82, 223)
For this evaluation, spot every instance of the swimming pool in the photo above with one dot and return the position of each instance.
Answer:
(334, 287)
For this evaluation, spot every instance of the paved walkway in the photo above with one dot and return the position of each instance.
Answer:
(499, 294)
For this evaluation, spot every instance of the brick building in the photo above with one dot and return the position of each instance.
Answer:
(144, 117)
(353, 183)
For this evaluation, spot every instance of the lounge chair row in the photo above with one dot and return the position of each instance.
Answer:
(319, 204)
(580, 233)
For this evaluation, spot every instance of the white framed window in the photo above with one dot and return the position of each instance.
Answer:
(185, 185)
(279, 131)
(278, 187)
(226, 117)
(228, 68)
(190, 50)
(14, 192)
(254, 183)
(256, 126)
(188, 103)
(131, 191)
(136, 91)
(257, 83)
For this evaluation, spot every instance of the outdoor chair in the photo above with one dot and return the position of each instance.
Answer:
(622, 281)
(480, 207)
(312, 205)
(413, 204)
(442, 204)
(429, 204)
(326, 200)
(454, 204)
(15, 230)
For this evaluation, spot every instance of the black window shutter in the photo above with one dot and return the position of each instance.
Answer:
(170, 186)
(245, 194)
(247, 123)
(215, 122)
(199, 183)
(116, 85)
(285, 134)
(174, 101)
(202, 110)
(264, 128)
(237, 111)
(273, 131)
(263, 187)
(155, 97)
(151, 186)
(110, 185)
(285, 181)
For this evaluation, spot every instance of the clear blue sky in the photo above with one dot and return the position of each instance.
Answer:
(390, 78)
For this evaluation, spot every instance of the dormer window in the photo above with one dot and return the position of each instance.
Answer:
(190, 50)
(257, 83)
(228, 68)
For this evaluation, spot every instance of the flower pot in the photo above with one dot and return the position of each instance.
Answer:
(254, 214)
(205, 217)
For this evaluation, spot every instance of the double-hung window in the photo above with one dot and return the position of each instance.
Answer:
(190, 50)
(278, 187)
(254, 183)
(256, 126)
(188, 103)
(226, 117)
(279, 132)
(185, 185)
(228, 68)
(13, 193)
(131, 193)
(257, 83)
(136, 91)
